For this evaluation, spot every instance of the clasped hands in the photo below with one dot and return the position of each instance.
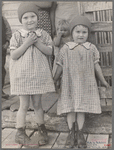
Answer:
(32, 38)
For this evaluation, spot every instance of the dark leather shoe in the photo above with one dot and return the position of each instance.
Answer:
(4, 95)
(71, 138)
(22, 138)
(81, 140)
(76, 139)
(42, 135)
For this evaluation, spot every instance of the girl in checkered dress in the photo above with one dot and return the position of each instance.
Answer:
(78, 63)
(30, 74)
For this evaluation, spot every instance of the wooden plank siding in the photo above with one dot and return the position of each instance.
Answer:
(9, 10)
(96, 6)
(100, 15)
(104, 45)
(101, 26)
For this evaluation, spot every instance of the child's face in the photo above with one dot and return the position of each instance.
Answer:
(29, 21)
(64, 31)
(80, 34)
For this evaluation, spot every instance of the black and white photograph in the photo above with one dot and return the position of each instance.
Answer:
(56, 74)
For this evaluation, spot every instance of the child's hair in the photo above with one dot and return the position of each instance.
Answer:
(26, 7)
(63, 24)
(80, 20)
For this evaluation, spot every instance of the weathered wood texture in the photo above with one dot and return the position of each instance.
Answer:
(101, 26)
(96, 6)
(100, 14)
(104, 48)
(107, 71)
(105, 93)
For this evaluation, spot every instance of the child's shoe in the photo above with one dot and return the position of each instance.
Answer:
(42, 135)
(81, 140)
(76, 135)
(71, 138)
(4, 95)
(22, 138)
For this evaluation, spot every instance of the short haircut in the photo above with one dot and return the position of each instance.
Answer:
(64, 24)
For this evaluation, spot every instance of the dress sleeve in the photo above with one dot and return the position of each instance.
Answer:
(96, 55)
(61, 56)
(14, 42)
(46, 39)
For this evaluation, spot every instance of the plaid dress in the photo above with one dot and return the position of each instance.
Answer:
(30, 74)
(79, 91)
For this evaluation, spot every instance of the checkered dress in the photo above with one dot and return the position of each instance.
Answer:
(79, 92)
(30, 74)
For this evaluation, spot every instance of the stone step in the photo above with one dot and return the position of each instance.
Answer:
(8, 138)
(94, 123)
(52, 138)
(57, 140)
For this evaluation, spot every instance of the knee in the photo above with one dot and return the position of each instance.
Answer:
(36, 101)
(24, 108)
(37, 106)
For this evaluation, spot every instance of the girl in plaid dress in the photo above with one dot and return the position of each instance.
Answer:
(30, 74)
(78, 63)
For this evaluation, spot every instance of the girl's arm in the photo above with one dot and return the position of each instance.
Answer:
(43, 48)
(57, 40)
(58, 73)
(21, 50)
(100, 76)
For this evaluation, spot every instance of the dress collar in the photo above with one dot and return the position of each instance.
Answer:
(72, 45)
(25, 33)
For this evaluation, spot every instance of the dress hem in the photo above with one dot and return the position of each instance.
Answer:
(80, 111)
(13, 93)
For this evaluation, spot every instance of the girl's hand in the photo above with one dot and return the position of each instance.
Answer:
(31, 39)
(57, 85)
(60, 33)
(38, 40)
(106, 84)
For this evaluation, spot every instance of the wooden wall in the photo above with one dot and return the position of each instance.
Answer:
(9, 10)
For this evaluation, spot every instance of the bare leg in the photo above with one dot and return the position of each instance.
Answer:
(21, 136)
(80, 137)
(80, 120)
(39, 114)
(21, 114)
(71, 124)
(70, 119)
